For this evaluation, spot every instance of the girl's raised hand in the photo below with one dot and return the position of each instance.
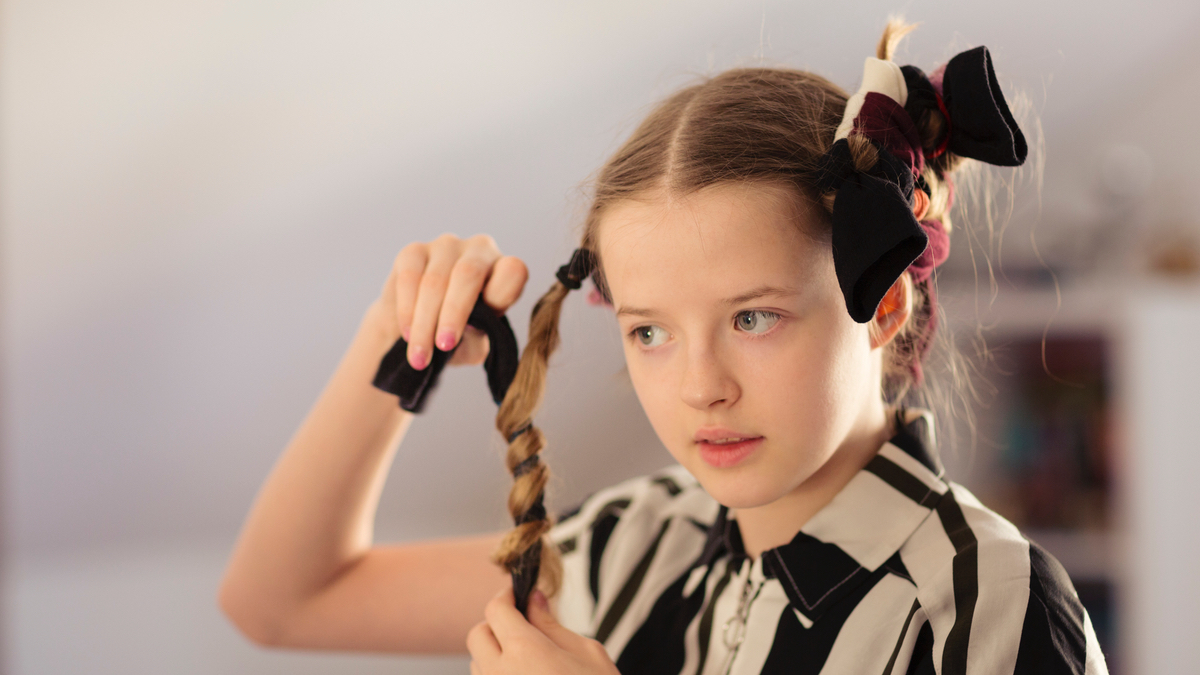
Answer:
(432, 288)
(507, 644)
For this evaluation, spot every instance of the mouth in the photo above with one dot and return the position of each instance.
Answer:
(727, 441)
(722, 449)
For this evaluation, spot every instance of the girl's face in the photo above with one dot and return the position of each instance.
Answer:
(737, 338)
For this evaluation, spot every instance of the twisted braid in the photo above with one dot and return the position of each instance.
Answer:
(525, 545)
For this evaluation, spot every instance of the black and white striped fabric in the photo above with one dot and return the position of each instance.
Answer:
(903, 572)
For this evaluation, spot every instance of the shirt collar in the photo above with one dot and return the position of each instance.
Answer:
(853, 535)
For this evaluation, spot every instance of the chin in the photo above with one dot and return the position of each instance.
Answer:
(742, 488)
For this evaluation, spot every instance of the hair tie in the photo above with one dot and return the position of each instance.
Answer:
(582, 264)
(514, 435)
(525, 466)
(941, 148)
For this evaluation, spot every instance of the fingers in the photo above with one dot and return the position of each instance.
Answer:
(509, 626)
(434, 287)
(506, 642)
(483, 647)
(400, 291)
(502, 615)
(467, 277)
(544, 620)
(508, 279)
(443, 253)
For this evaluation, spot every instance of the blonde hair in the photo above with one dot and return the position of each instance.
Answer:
(743, 125)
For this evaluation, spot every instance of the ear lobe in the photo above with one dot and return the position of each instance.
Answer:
(893, 312)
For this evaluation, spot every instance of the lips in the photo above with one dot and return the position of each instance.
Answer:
(716, 435)
(723, 448)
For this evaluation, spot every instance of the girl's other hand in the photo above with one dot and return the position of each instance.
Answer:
(432, 288)
(507, 644)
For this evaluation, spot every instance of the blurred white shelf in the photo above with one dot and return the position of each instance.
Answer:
(1030, 310)
(1081, 305)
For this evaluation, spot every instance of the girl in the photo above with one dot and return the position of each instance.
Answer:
(767, 244)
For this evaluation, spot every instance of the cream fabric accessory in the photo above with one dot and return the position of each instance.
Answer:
(879, 76)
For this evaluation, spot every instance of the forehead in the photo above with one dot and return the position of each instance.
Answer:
(720, 239)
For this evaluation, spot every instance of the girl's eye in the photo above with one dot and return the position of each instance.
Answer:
(650, 336)
(755, 321)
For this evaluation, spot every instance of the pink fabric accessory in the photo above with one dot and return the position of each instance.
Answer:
(595, 297)
(935, 253)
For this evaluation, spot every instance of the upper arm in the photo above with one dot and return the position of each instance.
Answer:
(414, 597)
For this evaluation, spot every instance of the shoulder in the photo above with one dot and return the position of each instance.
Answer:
(995, 601)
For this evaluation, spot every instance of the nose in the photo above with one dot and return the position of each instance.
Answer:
(707, 380)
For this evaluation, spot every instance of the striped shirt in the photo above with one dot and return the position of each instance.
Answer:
(902, 572)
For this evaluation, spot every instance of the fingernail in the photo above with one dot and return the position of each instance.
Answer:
(405, 334)
(445, 341)
(417, 358)
(540, 598)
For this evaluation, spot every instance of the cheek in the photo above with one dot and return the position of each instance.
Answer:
(656, 390)
(808, 383)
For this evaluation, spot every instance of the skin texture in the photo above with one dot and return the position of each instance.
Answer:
(805, 377)
(306, 572)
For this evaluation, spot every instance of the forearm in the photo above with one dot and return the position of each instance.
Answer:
(313, 518)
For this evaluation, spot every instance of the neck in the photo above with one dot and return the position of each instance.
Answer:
(775, 524)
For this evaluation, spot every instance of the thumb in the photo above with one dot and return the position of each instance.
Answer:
(544, 620)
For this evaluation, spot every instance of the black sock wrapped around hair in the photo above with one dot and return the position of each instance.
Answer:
(397, 376)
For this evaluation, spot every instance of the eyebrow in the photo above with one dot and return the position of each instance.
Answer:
(752, 294)
(760, 292)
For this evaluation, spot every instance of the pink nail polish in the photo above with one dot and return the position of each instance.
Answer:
(445, 341)
(417, 358)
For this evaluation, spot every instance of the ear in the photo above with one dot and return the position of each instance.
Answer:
(893, 312)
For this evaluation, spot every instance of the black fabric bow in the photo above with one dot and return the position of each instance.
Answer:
(980, 124)
(875, 235)
(397, 376)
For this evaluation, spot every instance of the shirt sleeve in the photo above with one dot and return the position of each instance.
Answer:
(1057, 635)
(997, 603)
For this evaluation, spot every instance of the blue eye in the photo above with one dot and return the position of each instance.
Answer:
(650, 336)
(755, 321)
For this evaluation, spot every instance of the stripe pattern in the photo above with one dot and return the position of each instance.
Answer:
(902, 572)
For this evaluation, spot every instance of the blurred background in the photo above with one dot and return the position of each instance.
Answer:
(199, 200)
